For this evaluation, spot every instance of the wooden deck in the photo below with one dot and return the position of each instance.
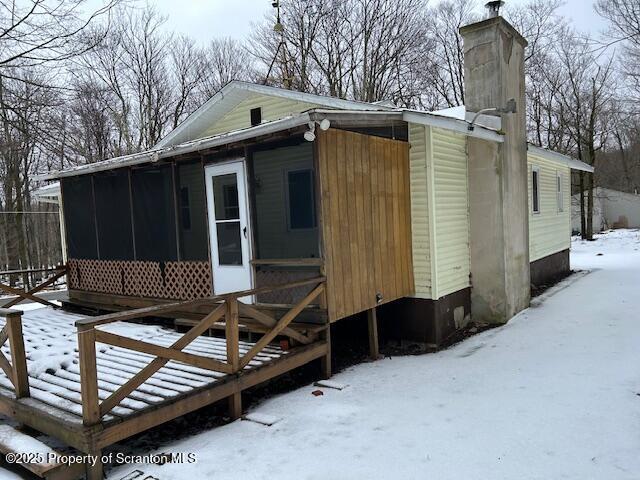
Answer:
(93, 381)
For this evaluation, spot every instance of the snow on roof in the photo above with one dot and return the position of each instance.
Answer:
(155, 154)
(461, 113)
(494, 122)
(48, 191)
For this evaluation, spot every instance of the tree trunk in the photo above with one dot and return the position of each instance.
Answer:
(583, 219)
(589, 235)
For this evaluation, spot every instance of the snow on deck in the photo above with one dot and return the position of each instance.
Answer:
(50, 339)
(554, 394)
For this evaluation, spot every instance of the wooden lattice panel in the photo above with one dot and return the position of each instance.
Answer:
(187, 280)
(109, 276)
(277, 276)
(143, 279)
(73, 280)
(171, 280)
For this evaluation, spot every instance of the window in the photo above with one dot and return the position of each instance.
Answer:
(535, 189)
(256, 116)
(227, 213)
(560, 196)
(301, 199)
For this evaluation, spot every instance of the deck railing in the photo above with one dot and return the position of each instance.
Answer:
(16, 369)
(27, 293)
(228, 308)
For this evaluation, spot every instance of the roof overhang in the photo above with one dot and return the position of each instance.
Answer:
(572, 163)
(156, 154)
(48, 193)
(339, 117)
(236, 91)
(462, 127)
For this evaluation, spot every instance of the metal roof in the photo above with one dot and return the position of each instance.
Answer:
(571, 162)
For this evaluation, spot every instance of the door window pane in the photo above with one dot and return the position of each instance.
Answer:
(225, 197)
(229, 243)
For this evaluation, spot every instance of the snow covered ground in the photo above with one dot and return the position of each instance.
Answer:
(553, 394)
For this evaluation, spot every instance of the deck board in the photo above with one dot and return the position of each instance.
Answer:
(54, 375)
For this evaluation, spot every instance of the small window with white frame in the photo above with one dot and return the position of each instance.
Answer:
(560, 192)
(535, 189)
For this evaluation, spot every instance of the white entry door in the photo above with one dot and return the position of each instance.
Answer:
(229, 227)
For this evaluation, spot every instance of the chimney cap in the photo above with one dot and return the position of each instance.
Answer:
(494, 7)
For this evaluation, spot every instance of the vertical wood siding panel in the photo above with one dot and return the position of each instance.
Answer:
(342, 158)
(331, 146)
(368, 239)
(369, 231)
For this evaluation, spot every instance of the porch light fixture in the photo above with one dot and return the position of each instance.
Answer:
(310, 135)
(510, 107)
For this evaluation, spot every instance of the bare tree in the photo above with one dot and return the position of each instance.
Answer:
(34, 32)
(584, 101)
(623, 17)
(360, 49)
(225, 59)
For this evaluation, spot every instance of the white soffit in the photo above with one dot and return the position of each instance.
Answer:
(561, 158)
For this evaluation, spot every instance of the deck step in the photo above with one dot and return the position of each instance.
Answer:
(40, 459)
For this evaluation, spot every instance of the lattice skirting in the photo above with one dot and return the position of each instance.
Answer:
(266, 276)
(173, 280)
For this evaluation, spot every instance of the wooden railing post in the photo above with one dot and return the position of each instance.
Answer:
(88, 375)
(18, 355)
(232, 334)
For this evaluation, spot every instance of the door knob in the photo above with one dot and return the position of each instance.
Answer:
(244, 232)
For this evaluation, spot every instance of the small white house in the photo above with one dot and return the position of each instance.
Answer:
(611, 209)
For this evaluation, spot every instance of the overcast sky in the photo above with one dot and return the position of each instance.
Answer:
(205, 19)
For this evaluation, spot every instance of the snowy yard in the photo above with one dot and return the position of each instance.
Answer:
(553, 394)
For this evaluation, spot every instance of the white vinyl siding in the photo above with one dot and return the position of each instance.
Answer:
(419, 211)
(550, 229)
(451, 194)
(273, 108)
(560, 192)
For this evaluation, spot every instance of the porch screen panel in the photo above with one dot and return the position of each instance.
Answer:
(79, 215)
(154, 213)
(192, 216)
(284, 186)
(113, 214)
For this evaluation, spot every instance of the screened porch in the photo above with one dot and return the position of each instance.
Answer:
(195, 227)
